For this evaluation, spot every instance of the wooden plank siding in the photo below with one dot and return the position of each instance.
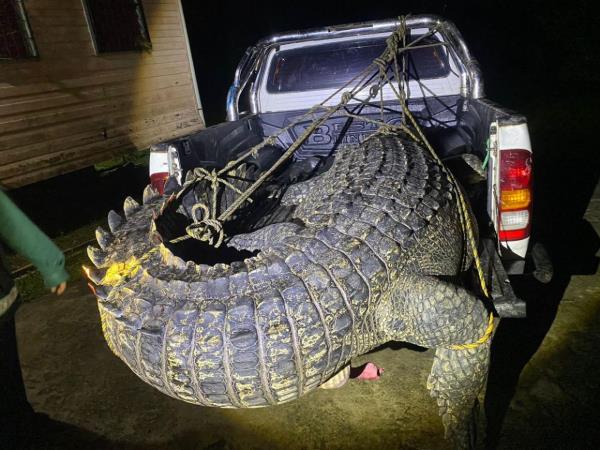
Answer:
(70, 107)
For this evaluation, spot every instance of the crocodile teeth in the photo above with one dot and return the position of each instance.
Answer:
(97, 256)
(149, 194)
(96, 275)
(114, 221)
(172, 185)
(103, 237)
(130, 206)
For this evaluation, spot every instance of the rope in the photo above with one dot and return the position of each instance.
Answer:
(482, 340)
(465, 217)
(194, 230)
(204, 229)
(289, 152)
(210, 229)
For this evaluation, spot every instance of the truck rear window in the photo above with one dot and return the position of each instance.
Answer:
(332, 65)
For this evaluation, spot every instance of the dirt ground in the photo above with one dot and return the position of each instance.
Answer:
(72, 376)
(542, 391)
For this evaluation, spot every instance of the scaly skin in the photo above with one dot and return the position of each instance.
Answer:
(356, 266)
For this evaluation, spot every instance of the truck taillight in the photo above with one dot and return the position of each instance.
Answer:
(515, 194)
(158, 180)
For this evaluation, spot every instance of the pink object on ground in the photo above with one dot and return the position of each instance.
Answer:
(368, 372)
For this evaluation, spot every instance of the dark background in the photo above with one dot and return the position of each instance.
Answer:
(525, 48)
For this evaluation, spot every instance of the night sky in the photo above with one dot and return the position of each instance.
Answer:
(525, 48)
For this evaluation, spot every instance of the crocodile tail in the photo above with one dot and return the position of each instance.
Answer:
(244, 334)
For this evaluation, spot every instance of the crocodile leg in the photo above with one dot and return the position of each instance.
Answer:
(456, 379)
(440, 315)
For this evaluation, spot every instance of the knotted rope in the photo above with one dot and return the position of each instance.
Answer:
(209, 227)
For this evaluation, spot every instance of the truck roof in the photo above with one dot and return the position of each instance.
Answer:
(350, 29)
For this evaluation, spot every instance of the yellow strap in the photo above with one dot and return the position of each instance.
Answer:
(465, 221)
(482, 340)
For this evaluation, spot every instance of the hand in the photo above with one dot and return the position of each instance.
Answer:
(59, 288)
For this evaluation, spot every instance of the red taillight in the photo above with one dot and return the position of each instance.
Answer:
(515, 195)
(158, 179)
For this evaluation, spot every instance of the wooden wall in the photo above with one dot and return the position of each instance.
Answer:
(70, 108)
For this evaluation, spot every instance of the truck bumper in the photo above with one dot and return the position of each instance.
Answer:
(503, 297)
(505, 302)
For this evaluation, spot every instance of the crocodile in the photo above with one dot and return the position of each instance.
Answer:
(366, 252)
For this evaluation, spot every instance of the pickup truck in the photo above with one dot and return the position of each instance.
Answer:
(486, 146)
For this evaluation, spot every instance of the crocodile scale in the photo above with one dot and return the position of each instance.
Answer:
(364, 258)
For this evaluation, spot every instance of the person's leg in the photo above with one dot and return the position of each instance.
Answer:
(15, 411)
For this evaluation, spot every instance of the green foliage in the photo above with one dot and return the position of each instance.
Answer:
(137, 158)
